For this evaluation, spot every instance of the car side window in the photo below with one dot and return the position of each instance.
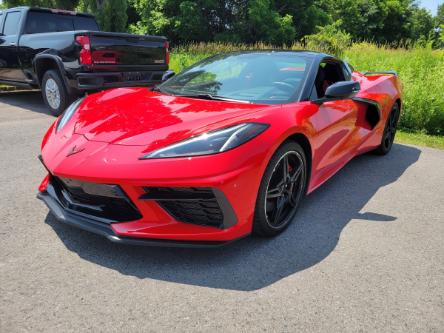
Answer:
(329, 72)
(12, 22)
(347, 71)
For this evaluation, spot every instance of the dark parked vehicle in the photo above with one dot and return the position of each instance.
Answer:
(64, 54)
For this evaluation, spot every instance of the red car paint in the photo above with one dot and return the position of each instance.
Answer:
(111, 130)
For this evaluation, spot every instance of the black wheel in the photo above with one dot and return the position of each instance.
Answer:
(55, 93)
(281, 190)
(389, 131)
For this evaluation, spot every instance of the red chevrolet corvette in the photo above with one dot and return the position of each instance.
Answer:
(226, 148)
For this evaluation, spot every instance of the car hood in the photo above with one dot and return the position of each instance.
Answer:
(140, 117)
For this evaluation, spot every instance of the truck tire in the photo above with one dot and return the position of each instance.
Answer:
(54, 92)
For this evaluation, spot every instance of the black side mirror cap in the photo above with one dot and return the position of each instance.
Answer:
(168, 75)
(340, 90)
(343, 89)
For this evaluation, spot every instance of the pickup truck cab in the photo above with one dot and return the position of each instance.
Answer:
(64, 54)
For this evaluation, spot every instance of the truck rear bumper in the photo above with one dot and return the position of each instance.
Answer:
(100, 80)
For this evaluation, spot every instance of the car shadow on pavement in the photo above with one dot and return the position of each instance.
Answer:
(30, 100)
(254, 263)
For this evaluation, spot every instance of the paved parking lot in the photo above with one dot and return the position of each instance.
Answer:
(365, 253)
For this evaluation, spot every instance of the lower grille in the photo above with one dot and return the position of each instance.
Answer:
(190, 205)
(203, 212)
(106, 202)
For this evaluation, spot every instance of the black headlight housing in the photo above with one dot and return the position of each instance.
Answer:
(213, 142)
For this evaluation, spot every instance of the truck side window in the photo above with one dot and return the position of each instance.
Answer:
(12, 22)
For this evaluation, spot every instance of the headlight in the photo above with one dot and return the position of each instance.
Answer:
(211, 142)
(66, 116)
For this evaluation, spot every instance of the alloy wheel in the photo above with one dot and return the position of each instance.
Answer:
(390, 129)
(284, 189)
(52, 93)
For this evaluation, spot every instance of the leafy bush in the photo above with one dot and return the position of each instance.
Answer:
(329, 39)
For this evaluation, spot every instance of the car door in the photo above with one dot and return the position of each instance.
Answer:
(334, 123)
(10, 69)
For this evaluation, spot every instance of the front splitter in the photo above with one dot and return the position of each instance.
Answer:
(99, 228)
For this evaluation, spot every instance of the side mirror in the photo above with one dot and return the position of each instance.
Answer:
(342, 90)
(168, 75)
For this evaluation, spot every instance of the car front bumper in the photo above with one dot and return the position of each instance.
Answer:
(105, 230)
(232, 179)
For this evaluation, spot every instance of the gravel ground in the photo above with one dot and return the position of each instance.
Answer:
(365, 253)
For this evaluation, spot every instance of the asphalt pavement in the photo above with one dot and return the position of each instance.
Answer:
(364, 254)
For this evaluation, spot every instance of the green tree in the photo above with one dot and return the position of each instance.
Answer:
(204, 20)
(179, 20)
(421, 24)
(110, 14)
(306, 14)
(396, 23)
(265, 24)
(362, 19)
(152, 17)
(189, 22)
(439, 31)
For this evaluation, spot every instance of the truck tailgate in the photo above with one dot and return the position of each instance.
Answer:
(126, 50)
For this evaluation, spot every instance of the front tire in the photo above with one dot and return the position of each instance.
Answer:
(389, 131)
(55, 93)
(281, 190)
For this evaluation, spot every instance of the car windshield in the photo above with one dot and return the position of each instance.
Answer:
(256, 77)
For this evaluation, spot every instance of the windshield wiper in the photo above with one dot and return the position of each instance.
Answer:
(211, 97)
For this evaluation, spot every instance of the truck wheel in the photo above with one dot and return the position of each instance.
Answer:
(54, 93)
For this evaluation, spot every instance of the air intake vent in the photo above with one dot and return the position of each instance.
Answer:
(188, 204)
(106, 202)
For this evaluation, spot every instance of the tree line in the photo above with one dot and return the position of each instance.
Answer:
(248, 21)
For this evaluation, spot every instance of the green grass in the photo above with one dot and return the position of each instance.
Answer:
(420, 139)
(422, 75)
(421, 71)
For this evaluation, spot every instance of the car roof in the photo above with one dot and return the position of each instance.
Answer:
(305, 53)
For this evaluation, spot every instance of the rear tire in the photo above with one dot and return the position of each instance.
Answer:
(389, 131)
(54, 92)
(280, 191)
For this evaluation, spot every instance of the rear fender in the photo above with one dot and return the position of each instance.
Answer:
(43, 62)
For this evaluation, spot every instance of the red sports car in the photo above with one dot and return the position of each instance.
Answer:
(226, 148)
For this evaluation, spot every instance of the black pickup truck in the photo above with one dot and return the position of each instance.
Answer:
(64, 54)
